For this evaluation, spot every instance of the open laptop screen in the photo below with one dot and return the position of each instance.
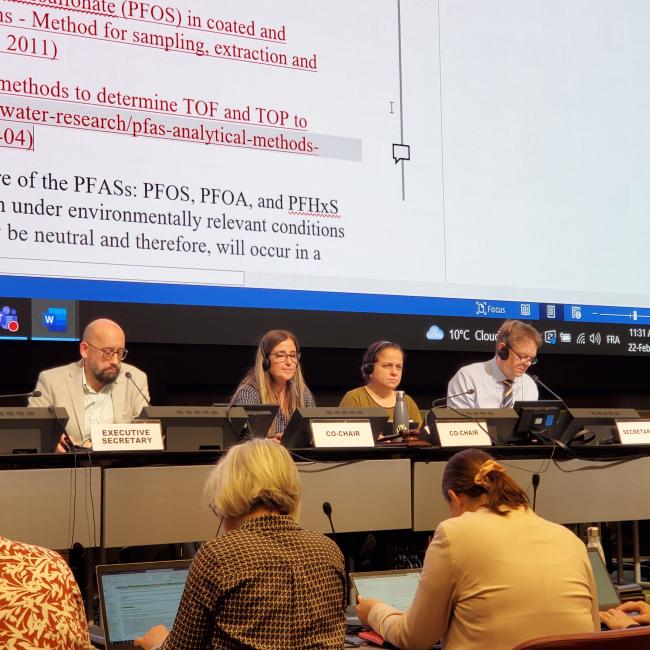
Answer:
(135, 597)
(397, 588)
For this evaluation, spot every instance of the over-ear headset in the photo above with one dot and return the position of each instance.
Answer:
(370, 357)
(504, 333)
(270, 339)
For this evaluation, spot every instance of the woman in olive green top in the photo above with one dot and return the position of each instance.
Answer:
(381, 368)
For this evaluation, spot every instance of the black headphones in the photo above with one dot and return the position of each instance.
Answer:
(266, 362)
(504, 352)
(370, 357)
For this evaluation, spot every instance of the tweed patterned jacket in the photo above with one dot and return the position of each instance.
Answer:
(267, 585)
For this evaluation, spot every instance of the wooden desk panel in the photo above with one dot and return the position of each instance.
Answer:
(157, 505)
(365, 495)
(574, 491)
(51, 507)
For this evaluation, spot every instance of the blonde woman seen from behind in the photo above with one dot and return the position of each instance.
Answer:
(266, 583)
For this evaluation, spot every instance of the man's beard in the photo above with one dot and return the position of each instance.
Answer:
(105, 377)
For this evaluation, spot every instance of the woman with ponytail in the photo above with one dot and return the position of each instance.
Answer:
(495, 574)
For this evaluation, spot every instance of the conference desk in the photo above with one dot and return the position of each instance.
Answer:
(156, 505)
(113, 500)
(50, 506)
(569, 492)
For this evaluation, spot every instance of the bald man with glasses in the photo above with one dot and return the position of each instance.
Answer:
(95, 389)
(501, 381)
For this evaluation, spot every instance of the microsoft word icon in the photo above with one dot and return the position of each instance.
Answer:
(55, 319)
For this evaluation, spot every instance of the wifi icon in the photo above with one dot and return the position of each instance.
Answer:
(582, 339)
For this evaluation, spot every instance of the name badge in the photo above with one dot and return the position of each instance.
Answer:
(134, 436)
(634, 433)
(463, 434)
(333, 433)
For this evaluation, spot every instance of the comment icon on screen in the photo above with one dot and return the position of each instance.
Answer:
(401, 152)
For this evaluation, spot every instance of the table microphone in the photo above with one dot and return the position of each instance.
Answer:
(440, 400)
(327, 509)
(536, 479)
(469, 391)
(34, 393)
(539, 382)
(129, 376)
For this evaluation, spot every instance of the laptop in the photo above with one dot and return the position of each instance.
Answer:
(395, 587)
(135, 597)
(608, 597)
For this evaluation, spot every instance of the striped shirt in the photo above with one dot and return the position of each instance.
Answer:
(98, 406)
(486, 378)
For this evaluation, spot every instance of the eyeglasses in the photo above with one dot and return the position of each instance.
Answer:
(524, 358)
(281, 357)
(109, 353)
(220, 517)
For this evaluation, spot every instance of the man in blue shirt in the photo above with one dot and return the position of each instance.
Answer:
(501, 381)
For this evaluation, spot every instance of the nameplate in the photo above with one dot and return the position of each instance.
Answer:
(463, 434)
(634, 433)
(341, 433)
(134, 436)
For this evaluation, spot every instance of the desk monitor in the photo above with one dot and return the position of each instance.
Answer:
(500, 422)
(298, 434)
(192, 428)
(542, 416)
(260, 418)
(31, 430)
(601, 422)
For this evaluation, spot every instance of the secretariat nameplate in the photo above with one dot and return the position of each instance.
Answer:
(634, 433)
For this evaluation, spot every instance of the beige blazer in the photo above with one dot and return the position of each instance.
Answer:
(490, 582)
(62, 386)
